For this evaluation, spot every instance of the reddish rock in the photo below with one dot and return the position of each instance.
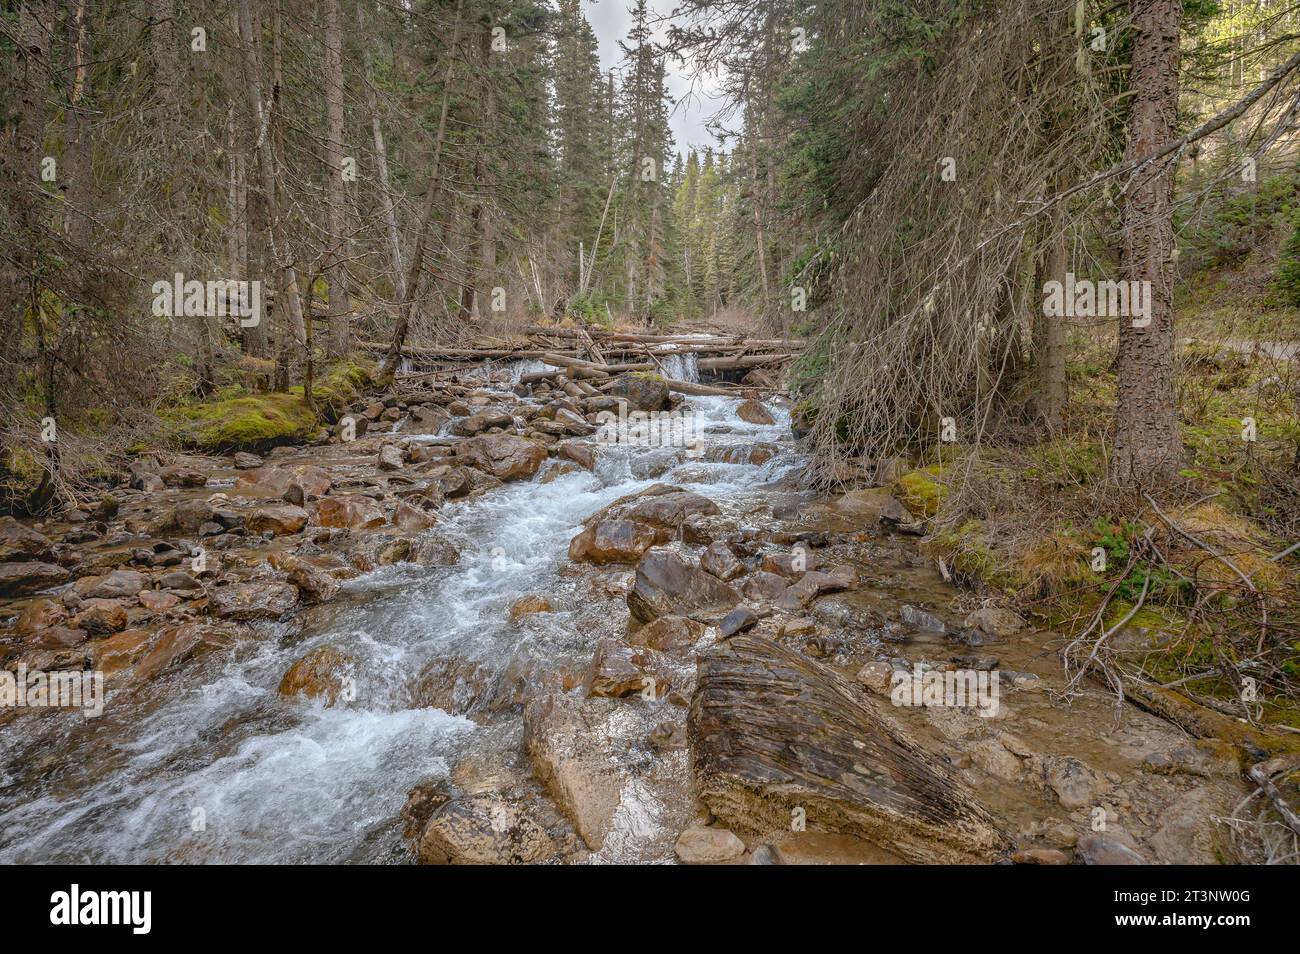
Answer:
(254, 600)
(280, 519)
(314, 481)
(618, 670)
(407, 517)
(529, 605)
(18, 542)
(579, 452)
(350, 511)
(668, 586)
(754, 413)
(764, 587)
(504, 456)
(612, 541)
(101, 616)
(668, 634)
(718, 559)
(30, 576)
(318, 674)
(158, 601)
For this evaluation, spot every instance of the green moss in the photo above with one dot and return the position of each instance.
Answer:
(920, 492)
(247, 421)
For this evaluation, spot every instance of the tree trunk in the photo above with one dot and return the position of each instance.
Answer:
(340, 303)
(77, 182)
(1049, 330)
(1147, 445)
(381, 168)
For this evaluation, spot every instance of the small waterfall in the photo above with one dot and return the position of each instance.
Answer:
(681, 367)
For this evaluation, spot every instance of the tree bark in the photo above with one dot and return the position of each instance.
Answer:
(77, 194)
(340, 302)
(1147, 445)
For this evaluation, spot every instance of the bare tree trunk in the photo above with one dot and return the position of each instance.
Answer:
(381, 166)
(340, 303)
(1049, 330)
(1147, 445)
(77, 182)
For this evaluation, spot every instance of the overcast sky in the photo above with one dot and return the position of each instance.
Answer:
(611, 20)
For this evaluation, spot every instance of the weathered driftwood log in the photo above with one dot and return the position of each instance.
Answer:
(772, 731)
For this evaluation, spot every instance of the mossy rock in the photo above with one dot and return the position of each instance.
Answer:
(247, 422)
(920, 492)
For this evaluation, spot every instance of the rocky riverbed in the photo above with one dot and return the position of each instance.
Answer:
(475, 626)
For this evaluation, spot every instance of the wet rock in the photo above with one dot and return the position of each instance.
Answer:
(18, 543)
(147, 481)
(771, 730)
(619, 670)
(246, 461)
(101, 616)
(791, 566)
(666, 585)
(754, 412)
(117, 585)
(321, 673)
(275, 480)
(752, 454)
(158, 601)
(978, 663)
(1097, 848)
(482, 421)
(995, 621)
(503, 456)
(154, 654)
(559, 734)
(277, 519)
(718, 559)
(390, 458)
(707, 846)
(612, 541)
(30, 576)
(484, 829)
(349, 511)
(642, 392)
(314, 584)
(764, 587)
(253, 600)
(179, 580)
(528, 606)
(920, 620)
(183, 475)
(1190, 831)
(407, 517)
(813, 584)
(455, 685)
(40, 614)
(425, 420)
(580, 452)
(668, 634)
(737, 621)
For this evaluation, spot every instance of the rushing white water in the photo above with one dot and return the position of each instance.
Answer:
(212, 764)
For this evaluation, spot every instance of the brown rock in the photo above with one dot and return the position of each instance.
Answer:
(483, 829)
(668, 633)
(754, 413)
(612, 541)
(253, 600)
(407, 517)
(771, 730)
(666, 585)
(40, 614)
(580, 452)
(280, 519)
(318, 674)
(390, 457)
(504, 456)
(764, 587)
(315, 585)
(101, 616)
(349, 511)
(529, 605)
(718, 559)
(619, 670)
(158, 601)
(18, 542)
(314, 481)
(30, 576)
(707, 846)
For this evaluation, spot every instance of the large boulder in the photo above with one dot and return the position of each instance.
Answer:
(560, 733)
(484, 420)
(754, 412)
(319, 674)
(504, 456)
(314, 584)
(618, 670)
(669, 511)
(349, 511)
(118, 585)
(666, 585)
(612, 541)
(483, 829)
(642, 391)
(771, 730)
(313, 481)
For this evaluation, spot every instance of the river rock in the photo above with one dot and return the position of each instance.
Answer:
(117, 585)
(101, 616)
(29, 576)
(482, 421)
(772, 730)
(707, 846)
(737, 621)
(754, 412)
(560, 734)
(504, 456)
(390, 457)
(920, 620)
(668, 633)
(158, 601)
(408, 517)
(18, 542)
(619, 670)
(483, 829)
(580, 452)
(318, 674)
(246, 461)
(40, 614)
(253, 600)
(1073, 782)
(314, 481)
(668, 512)
(764, 587)
(813, 584)
(643, 392)
(1097, 848)
(157, 653)
(718, 559)
(279, 519)
(528, 606)
(315, 585)
(349, 511)
(995, 621)
(666, 585)
(612, 541)
(183, 475)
